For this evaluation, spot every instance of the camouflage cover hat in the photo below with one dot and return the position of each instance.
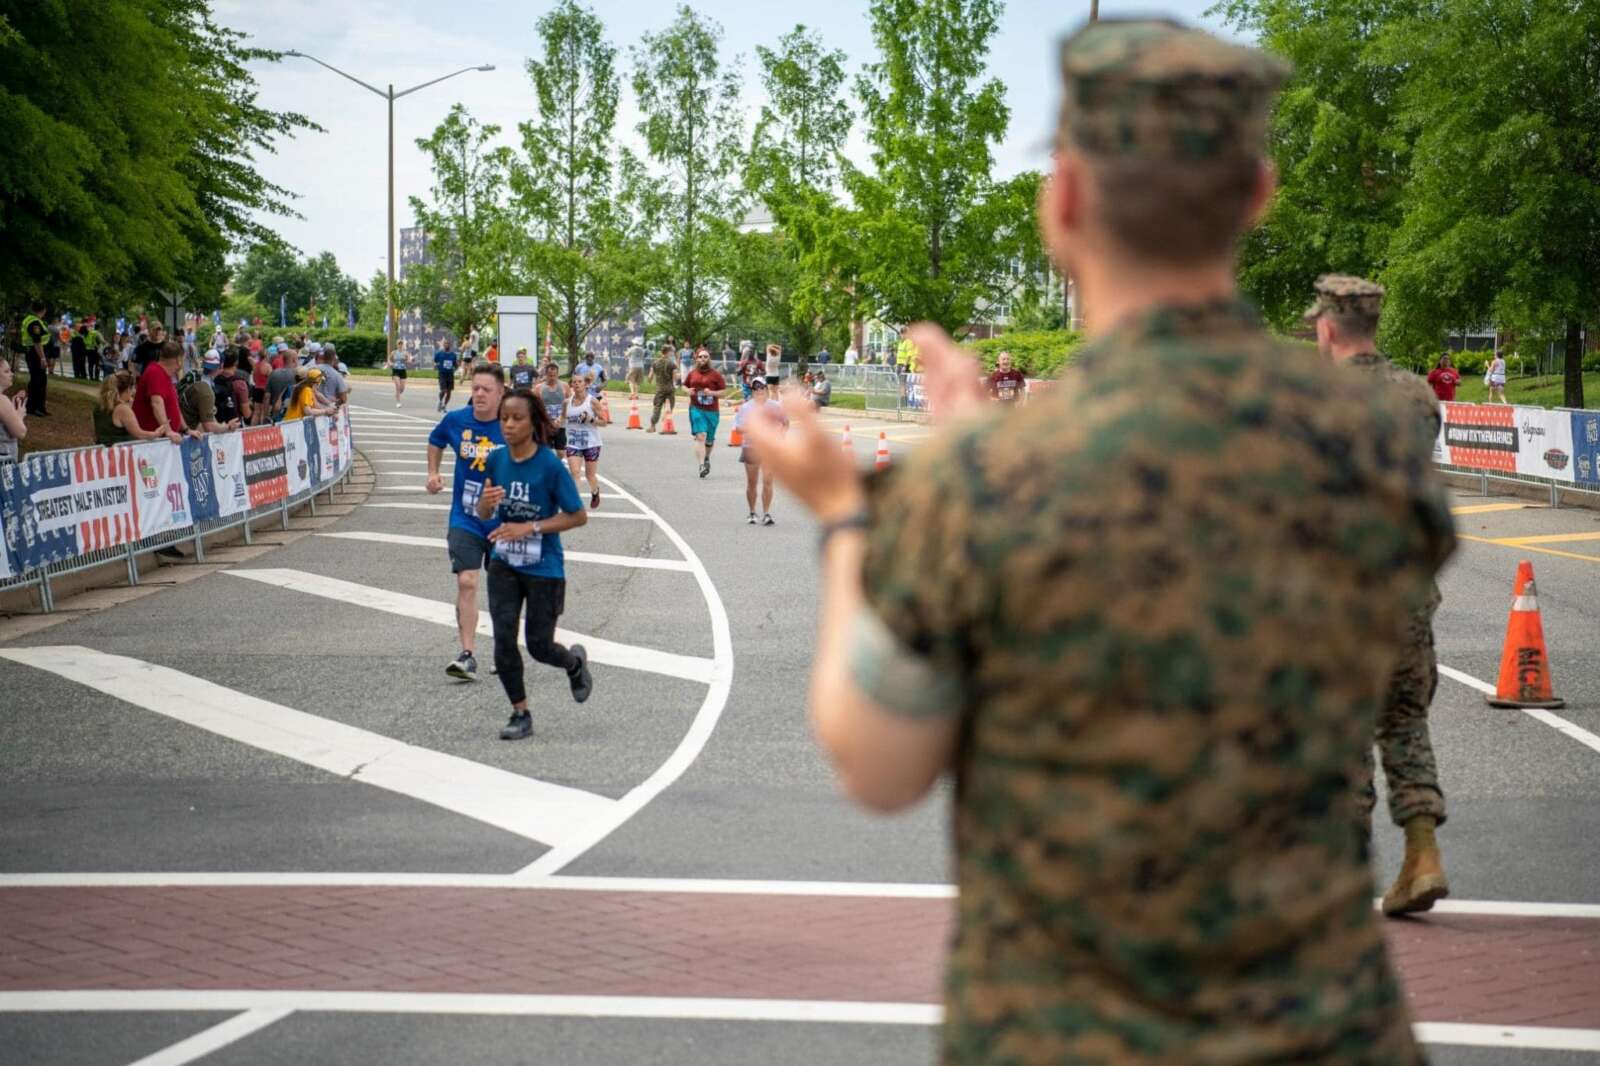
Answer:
(1157, 89)
(1345, 294)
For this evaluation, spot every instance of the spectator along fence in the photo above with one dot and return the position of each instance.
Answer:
(66, 511)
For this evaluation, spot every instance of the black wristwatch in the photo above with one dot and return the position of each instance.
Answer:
(854, 520)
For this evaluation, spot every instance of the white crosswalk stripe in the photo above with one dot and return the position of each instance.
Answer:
(571, 556)
(536, 810)
(634, 515)
(601, 651)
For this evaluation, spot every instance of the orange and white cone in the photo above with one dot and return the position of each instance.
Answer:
(846, 444)
(736, 438)
(667, 428)
(633, 416)
(1524, 664)
(881, 461)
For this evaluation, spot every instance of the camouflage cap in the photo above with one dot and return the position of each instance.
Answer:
(1345, 294)
(1157, 89)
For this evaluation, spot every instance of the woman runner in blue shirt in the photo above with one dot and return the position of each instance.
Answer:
(530, 492)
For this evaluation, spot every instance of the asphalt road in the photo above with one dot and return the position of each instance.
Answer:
(97, 783)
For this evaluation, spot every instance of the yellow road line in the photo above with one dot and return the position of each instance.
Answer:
(1552, 538)
(1529, 548)
(1486, 508)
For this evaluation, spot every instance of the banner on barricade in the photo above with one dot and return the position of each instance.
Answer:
(8, 522)
(347, 446)
(1507, 440)
(197, 473)
(264, 470)
(331, 441)
(313, 451)
(914, 398)
(1586, 447)
(72, 503)
(296, 467)
(227, 473)
(160, 489)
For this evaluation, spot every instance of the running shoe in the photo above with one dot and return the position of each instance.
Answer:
(581, 680)
(397, 403)
(520, 727)
(594, 501)
(751, 520)
(465, 667)
(705, 468)
(766, 520)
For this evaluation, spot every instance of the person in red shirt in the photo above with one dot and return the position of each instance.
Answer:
(1444, 378)
(706, 387)
(155, 400)
(1006, 385)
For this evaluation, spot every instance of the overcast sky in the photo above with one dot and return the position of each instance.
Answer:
(339, 174)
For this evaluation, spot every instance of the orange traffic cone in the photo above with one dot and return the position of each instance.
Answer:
(633, 416)
(667, 428)
(736, 438)
(846, 443)
(1524, 666)
(881, 462)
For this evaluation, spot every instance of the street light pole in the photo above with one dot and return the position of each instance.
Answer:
(391, 96)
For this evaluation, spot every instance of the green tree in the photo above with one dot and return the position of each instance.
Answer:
(272, 276)
(464, 223)
(691, 127)
(575, 249)
(372, 311)
(936, 236)
(333, 292)
(1501, 219)
(806, 120)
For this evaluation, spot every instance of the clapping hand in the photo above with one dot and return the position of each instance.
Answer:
(807, 460)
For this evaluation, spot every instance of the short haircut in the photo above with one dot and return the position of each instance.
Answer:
(230, 358)
(492, 369)
(1175, 215)
(171, 350)
(1354, 325)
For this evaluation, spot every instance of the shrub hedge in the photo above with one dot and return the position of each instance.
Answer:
(356, 347)
(1038, 354)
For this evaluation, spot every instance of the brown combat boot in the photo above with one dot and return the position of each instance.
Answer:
(1421, 882)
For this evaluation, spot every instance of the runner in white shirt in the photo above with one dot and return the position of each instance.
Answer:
(586, 413)
(760, 395)
(774, 365)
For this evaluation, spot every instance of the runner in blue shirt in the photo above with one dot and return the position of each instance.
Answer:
(444, 361)
(471, 434)
(533, 498)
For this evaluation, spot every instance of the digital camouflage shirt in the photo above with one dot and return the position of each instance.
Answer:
(1165, 600)
(1413, 389)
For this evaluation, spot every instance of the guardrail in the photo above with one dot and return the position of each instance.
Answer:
(1555, 447)
(75, 509)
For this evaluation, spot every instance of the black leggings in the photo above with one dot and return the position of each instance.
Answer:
(546, 598)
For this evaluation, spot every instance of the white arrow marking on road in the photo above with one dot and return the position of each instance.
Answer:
(604, 652)
(536, 810)
(577, 557)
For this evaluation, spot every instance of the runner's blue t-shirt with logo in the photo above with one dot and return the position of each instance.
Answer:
(472, 442)
(444, 362)
(538, 487)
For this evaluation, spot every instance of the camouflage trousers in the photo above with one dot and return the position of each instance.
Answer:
(1401, 734)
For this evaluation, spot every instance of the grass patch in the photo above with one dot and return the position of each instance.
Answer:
(1533, 391)
(70, 423)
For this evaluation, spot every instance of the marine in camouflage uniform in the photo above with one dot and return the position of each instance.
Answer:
(1162, 605)
(1416, 803)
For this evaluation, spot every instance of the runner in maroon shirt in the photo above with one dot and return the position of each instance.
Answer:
(1444, 378)
(1006, 385)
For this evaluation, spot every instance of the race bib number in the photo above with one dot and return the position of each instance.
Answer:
(705, 398)
(578, 437)
(523, 552)
(470, 491)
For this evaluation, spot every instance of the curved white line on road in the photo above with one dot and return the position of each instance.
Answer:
(694, 740)
(1554, 721)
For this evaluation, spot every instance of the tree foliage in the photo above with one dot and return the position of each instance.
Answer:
(271, 276)
(692, 129)
(572, 239)
(131, 128)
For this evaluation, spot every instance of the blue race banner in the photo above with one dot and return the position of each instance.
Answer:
(1586, 447)
(202, 485)
(313, 453)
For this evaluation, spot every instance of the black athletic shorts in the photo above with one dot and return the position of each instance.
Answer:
(558, 440)
(447, 380)
(468, 551)
(397, 372)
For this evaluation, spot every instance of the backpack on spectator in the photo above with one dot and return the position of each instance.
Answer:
(281, 408)
(227, 403)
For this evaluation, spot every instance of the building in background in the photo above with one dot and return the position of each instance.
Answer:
(611, 336)
(419, 336)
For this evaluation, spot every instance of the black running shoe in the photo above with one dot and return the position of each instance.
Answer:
(520, 727)
(705, 468)
(766, 520)
(594, 500)
(465, 667)
(581, 680)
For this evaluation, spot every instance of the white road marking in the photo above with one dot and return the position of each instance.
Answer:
(536, 810)
(218, 1036)
(1554, 721)
(438, 543)
(676, 1008)
(445, 507)
(700, 730)
(604, 652)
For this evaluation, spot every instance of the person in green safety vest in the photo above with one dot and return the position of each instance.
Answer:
(93, 343)
(906, 355)
(33, 336)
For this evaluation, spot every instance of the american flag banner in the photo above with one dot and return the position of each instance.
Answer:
(70, 504)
